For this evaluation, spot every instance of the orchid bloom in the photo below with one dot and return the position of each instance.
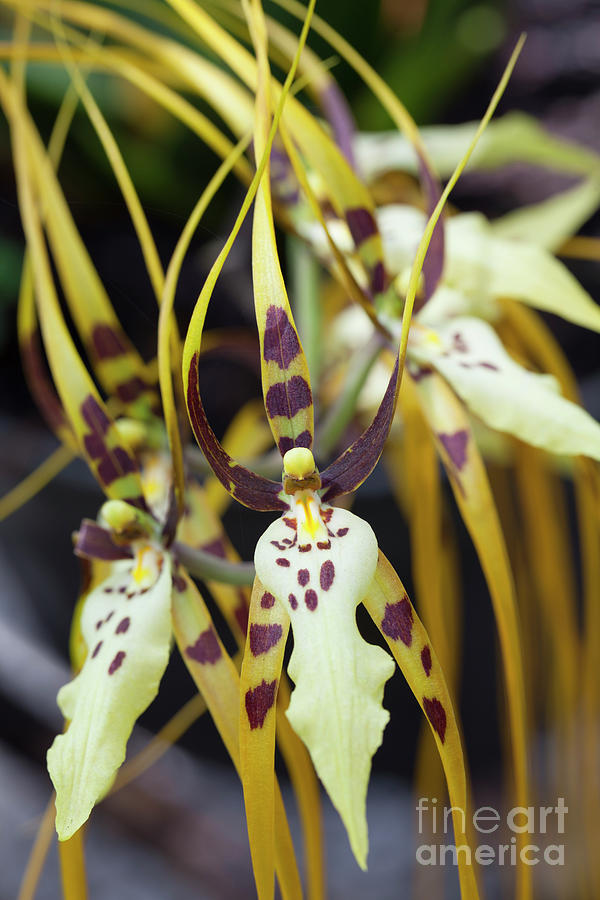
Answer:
(314, 564)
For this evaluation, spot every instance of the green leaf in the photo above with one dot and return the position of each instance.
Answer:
(126, 624)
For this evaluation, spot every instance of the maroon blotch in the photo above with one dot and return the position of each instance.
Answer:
(455, 446)
(304, 548)
(241, 612)
(267, 600)
(279, 545)
(112, 463)
(291, 523)
(437, 716)
(206, 649)
(123, 625)
(216, 548)
(398, 621)
(284, 444)
(303, 577)
(263, 637)
(116, 663)
(293, 601)
(426, 660)
(281, 344)
(286, 398)
(259, 701)
(179, 583)
(327, 574)
(324, 545)
(361, 224)
(281, 561)
(341, 532)
(107, 343)
(130, 390)
(311, 599)
(96, 649)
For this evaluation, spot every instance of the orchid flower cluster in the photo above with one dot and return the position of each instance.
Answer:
(473, 372)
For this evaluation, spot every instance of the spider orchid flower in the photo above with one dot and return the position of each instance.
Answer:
(314, 565)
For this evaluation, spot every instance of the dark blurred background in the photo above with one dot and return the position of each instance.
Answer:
(179, 832)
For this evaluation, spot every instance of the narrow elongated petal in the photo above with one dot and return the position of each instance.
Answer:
(100, 442)
(457, 449)
(126, 625)
(249, 488)
(505, 395)
(259, 681)
(391, 610)
(34, 364)
(120, 368)
(346, 192)
(285, 377)
(336, 705)
(552, 221)
(216, 677)
(510, 138)
(478, 261)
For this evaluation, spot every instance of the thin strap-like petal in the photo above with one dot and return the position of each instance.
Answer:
(261, 670)
(216, 677)
(388, 605)
(460, 456)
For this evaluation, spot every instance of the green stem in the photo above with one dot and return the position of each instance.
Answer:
(209, 567)
(304, 279)
(341, 414)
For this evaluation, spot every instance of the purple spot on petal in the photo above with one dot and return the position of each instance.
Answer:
(179, 583)
(304, 548)
(288, 398)
(341, 532)
(398, 621)
(96, 649)
(324, 545)
(264, 637)
(281, 344)
(123, 625)
(293, 601)
(361, 224)
(311, 599)
(303, 577)
(116, 663)
(426, 660)
(281, 561)
(259, 701)
(327, 574)
(267, 600)
(455, 446)
(437, 715)
(206, 649)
